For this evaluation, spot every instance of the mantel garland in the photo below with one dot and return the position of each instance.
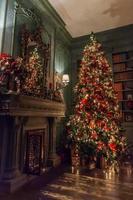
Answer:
(16, 77)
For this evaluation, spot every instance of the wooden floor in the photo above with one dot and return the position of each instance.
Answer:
(88, 185)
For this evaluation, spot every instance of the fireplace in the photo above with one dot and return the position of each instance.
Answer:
(28, 136)
(35, 151)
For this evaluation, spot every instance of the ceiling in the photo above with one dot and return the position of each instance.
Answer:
(83, 16)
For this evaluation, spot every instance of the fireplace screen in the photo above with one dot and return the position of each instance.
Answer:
(34, 151)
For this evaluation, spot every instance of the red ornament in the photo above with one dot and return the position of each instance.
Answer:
(112, 146)
(85, 100)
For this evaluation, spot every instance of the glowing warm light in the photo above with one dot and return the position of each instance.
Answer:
(65, 78)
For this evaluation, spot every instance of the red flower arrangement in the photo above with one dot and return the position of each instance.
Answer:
(4, 56)
(10, 73)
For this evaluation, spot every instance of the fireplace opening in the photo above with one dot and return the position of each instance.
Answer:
(34, 151)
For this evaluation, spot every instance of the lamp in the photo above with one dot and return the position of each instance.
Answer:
(65, 79)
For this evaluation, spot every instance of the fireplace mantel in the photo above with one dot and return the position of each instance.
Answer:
(22, 105)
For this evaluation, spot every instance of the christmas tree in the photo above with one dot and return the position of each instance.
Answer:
(34, 81)
(94, 126)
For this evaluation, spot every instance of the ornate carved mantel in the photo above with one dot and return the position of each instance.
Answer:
(22, 105)
(20, 117)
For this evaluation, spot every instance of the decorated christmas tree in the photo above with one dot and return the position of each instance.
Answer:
(34, 81)
(94, 126)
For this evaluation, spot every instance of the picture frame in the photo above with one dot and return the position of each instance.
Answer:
(31, 40)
